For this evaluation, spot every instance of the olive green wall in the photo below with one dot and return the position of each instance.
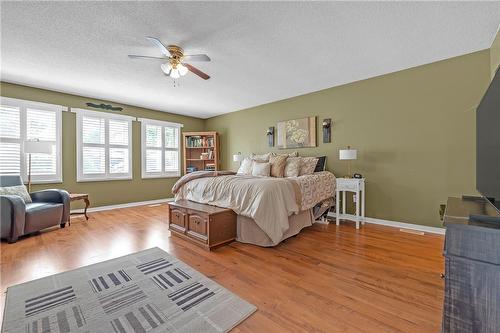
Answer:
(414, 131)
(495, 54)
(104, 192)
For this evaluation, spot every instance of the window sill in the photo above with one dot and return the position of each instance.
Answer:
(41, 182)
(160, 176)
(87, 180)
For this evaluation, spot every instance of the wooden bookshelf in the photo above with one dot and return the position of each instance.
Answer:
(197, 143)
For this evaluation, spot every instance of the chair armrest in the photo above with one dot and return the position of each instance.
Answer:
(54, 196)
(12, 217)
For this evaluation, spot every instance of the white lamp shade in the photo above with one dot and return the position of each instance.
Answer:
(348, 154)
(237, 158)
(38, 147)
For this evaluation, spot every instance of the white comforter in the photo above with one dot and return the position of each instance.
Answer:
(268, 201)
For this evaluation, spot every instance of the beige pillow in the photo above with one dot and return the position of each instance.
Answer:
(260, 158)
(278, 163)
(245, 167)
(294, 154)
(292, 167)
(261, 169)
(307, 166)
(19, 190)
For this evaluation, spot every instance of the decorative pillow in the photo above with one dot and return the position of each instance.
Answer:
(260, 158)
(261, 169)
(292, 167)
(294, 154)
(278, 163)
(320, 166)
(19, 190)
(308, 165)
(245, 167)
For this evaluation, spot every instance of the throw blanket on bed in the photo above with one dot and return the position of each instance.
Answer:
(198, 174)
(268, 201)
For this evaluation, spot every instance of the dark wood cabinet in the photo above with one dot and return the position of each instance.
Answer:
(472, 269)
(204, 225)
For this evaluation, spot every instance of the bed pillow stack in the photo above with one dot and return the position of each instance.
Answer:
(247, 165)
(281, 165)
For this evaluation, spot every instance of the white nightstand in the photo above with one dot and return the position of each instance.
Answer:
(351, 185)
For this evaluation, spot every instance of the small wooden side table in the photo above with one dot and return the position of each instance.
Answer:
(351, 185)
(81, 196)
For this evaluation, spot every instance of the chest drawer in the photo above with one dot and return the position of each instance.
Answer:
(197, 225)
(177, 219)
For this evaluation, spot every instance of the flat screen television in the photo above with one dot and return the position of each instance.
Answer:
(488, 143)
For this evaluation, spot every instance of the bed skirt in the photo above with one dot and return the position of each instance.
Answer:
(249, 232)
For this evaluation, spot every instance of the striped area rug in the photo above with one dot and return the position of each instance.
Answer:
(148, 291)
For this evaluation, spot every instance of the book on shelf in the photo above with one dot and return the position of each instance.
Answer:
(198, 141)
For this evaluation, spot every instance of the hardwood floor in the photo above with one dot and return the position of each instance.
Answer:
(326, 279)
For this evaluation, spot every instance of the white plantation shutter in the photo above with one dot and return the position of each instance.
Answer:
(104, 144)
(41, 125)
(10, 140)
(22, 121)
(10, 158)
(160, 149)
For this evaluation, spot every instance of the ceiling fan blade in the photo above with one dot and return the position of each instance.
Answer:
(162, 47)
(196, 71)
(196, 57)
(133, 56)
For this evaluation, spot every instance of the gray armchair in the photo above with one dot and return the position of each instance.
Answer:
(17, 218)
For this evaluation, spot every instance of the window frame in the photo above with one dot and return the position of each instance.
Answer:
(23, 106)
(163, 173)
(106, 176)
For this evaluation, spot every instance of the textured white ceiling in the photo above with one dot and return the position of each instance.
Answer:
(261, 51)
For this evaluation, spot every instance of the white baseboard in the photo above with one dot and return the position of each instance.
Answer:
(125, 205)
(402, 225)
(394, 224)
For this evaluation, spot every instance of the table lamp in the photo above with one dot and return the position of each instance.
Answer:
(35, 147)
(348, 155)
(238, 158)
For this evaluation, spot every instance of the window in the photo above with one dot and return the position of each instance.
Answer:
(104, 146)
(22, 121)
(160, 149)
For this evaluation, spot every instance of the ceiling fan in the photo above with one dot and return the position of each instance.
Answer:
(174, 59)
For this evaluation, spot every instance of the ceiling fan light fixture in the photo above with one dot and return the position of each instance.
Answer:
(174, 74)
(166, 68)
(182, 69)
(173, 57)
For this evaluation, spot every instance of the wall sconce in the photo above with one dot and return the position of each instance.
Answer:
(270, 136)
(327, 130)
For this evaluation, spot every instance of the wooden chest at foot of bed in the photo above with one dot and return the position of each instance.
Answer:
(204, 225)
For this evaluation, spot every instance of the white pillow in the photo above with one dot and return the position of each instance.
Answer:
(245, 167)
(261, 169)
(19, 190)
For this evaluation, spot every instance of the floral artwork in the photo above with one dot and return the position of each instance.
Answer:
(297, 133)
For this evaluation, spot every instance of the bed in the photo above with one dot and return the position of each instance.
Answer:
(268, 209)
